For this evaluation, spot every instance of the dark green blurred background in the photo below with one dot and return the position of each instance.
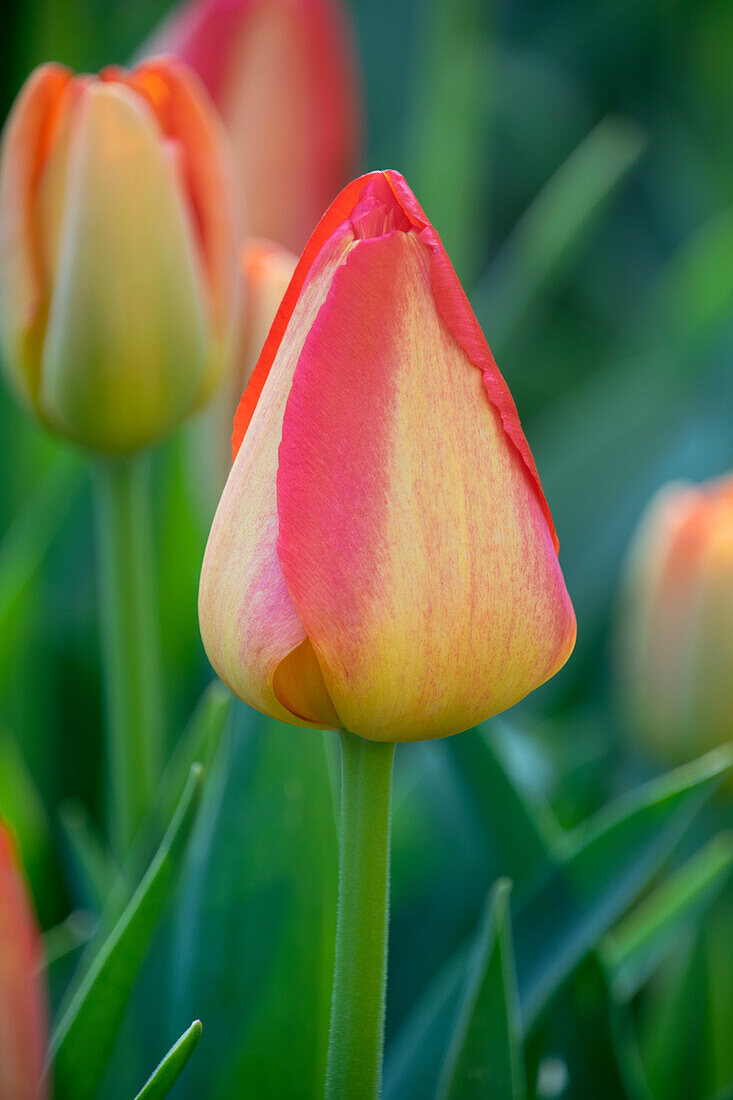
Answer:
(577, 158)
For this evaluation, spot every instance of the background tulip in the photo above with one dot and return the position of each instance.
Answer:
(23, 1027)
(677, 621)
(117, 258)
(265, 270)
(282, 73)
(382, 557)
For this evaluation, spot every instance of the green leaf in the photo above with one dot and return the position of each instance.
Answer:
(521, 829)
(162, 1080)
(93, 869)
(549, 233)
(198, 744)
(593, 1038)
(29, 537)
(693, 296)
(452, 113)
(674, 1026)
(485, 1053)
(647, 934)
(84, 1036)
(69, 936)
(607, 863)
(256, 917)
(21, 806)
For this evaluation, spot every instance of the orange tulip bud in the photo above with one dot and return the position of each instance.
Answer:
(382, 557)
(117, 251)
(676, 632)
(282, 74)
(23, 1014)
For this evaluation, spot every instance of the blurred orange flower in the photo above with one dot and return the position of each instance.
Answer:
(117, 251)
(23, 1009)
(283, 75)
(676, 635)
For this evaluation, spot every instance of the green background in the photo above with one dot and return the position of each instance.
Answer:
(577, 158)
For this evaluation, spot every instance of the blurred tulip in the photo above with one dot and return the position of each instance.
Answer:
(266, 270)
(282, 73)
(23, 1018)
(117, 251)
(382, 557)
(676, 634)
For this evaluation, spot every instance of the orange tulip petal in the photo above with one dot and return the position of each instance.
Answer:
(188, 119)
(29, 132)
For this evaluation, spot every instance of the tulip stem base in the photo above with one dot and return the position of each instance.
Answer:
(360, 974)
(130, 644)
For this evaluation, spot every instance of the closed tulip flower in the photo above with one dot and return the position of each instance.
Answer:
(676, 634)
(23, 1019)
(282, 74)
(382, 558)
(117, 251)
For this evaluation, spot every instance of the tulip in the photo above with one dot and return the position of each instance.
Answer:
(266, 270)
(117, 251)
(382, 558)
(266, 273)
(676, 633)
(282, 74)
(23, 1015)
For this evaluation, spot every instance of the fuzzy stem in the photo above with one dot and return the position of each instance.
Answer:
(360, 975)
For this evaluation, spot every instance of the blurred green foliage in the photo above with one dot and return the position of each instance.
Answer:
(578, 159)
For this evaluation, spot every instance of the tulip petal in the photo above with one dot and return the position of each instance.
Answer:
(282, 76)
(187, 118)
(334, 217)
(23, 1020)
(414, 544)
(661, 594)
(126, 316)
(26, 137)
(259, 648)
(455, 310)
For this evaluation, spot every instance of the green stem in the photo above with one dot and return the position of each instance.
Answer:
(130, 643)
(360, 974)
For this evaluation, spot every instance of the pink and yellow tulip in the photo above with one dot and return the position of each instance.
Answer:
(23, 1011)
(382, 558)
(677, 621)
(282, 73)
(117, 251)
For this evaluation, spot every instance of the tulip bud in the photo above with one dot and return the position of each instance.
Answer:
(676, 635)
(282, 74)
(265, 270)
(23, 1018)
(382, 557)
(117, 251)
